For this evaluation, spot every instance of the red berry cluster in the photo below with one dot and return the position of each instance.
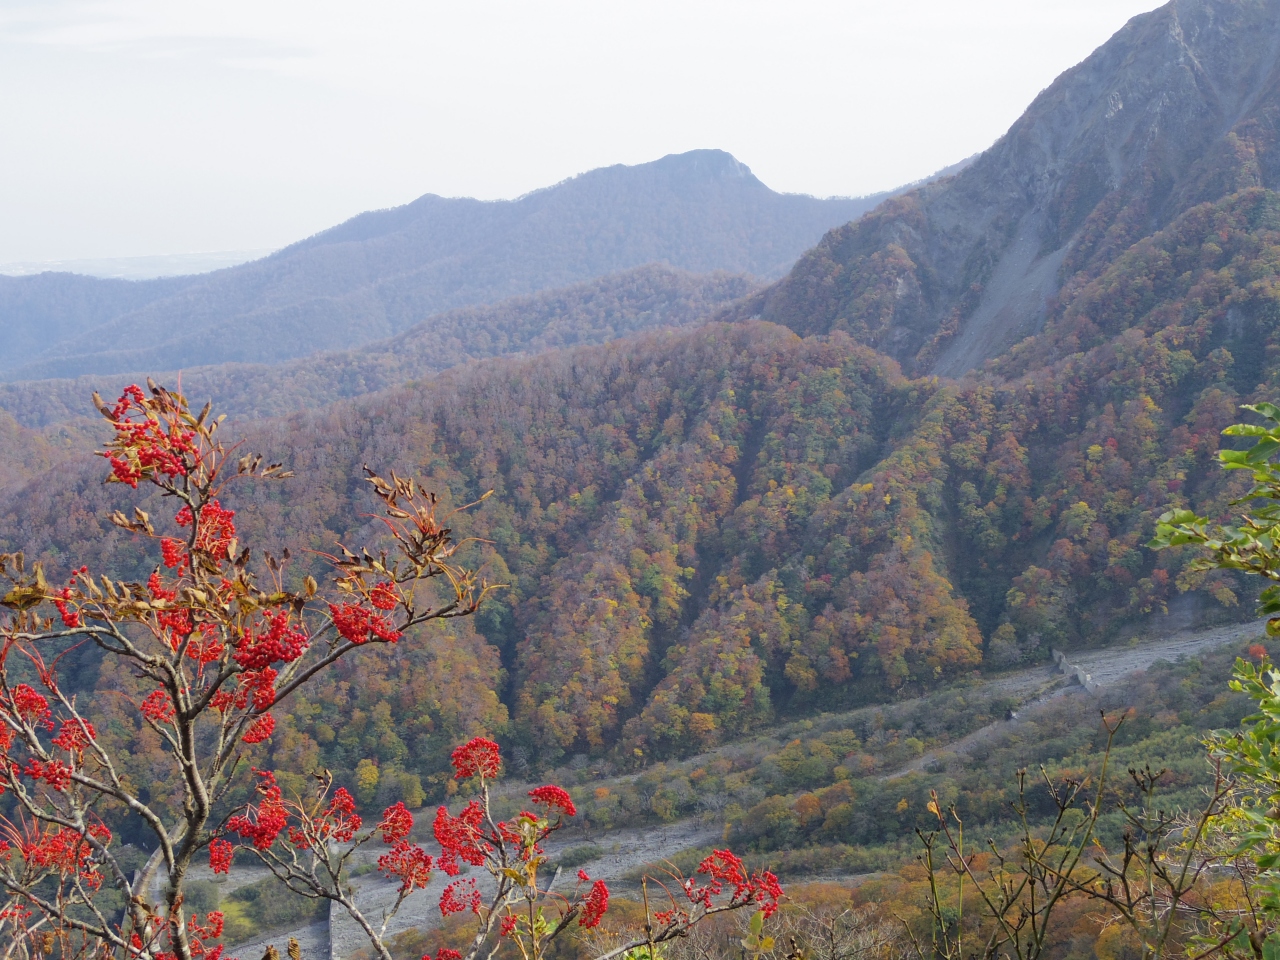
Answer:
(458, 896)
(476, 757)
(276, 639)
(206, 647)
(384, 596)
(54, 772)
(341, 820)
(408, 863)
(263, 823)
(174, 621)
(173, 553)
(260, 729)
(594, 905)
(75, 736)
(360, 625)
(396, 823)
(157, 707)
(724, 868)
(555, 798)
(62, 602)
(67, 852)
(30, 706)
(150, 445)
(220, 854)
(217, 529)
(465, 838)
(461, 838)
(198, 933)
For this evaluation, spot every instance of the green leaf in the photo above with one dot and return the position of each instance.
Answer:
(23, 598)
(1264, 408)
(1263, 450)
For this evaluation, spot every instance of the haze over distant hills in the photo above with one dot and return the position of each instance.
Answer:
(591, 312)
(381, 272)
(136, 268)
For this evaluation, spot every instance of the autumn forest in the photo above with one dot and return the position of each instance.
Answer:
(774, 557)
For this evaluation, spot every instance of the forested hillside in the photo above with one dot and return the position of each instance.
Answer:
(781, 565)
(724, 525)
(384, 271)
(703, 530)
(48, 308)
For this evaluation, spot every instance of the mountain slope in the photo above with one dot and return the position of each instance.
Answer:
(1179, 107)
(596, 311)
(724, 523)
(39, 311)
(704, 528)
(381, 272)
(619, 472)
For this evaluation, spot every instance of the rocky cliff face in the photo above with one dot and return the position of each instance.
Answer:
(1179, 107)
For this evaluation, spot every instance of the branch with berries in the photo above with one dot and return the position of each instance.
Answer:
(216, 641)
(309, 846)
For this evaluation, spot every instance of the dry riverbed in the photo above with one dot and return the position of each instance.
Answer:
(626, 850)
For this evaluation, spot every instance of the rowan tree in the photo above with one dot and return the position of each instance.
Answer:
(218, 641)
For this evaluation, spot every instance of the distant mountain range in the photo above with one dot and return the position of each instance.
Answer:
(382, 272)
(595, 311)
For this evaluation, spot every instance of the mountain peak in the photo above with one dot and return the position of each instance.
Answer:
(705, 163)
(681, 175)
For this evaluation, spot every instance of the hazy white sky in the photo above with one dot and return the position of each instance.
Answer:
(132, 127)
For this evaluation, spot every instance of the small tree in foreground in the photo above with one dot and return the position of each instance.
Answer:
(1248, 829)
(217, 650)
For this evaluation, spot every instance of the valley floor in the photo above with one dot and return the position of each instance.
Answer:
(628, 849)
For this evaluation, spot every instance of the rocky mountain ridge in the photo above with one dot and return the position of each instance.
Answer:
(1180, 107)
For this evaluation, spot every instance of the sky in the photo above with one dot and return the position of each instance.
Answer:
(146, 127)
